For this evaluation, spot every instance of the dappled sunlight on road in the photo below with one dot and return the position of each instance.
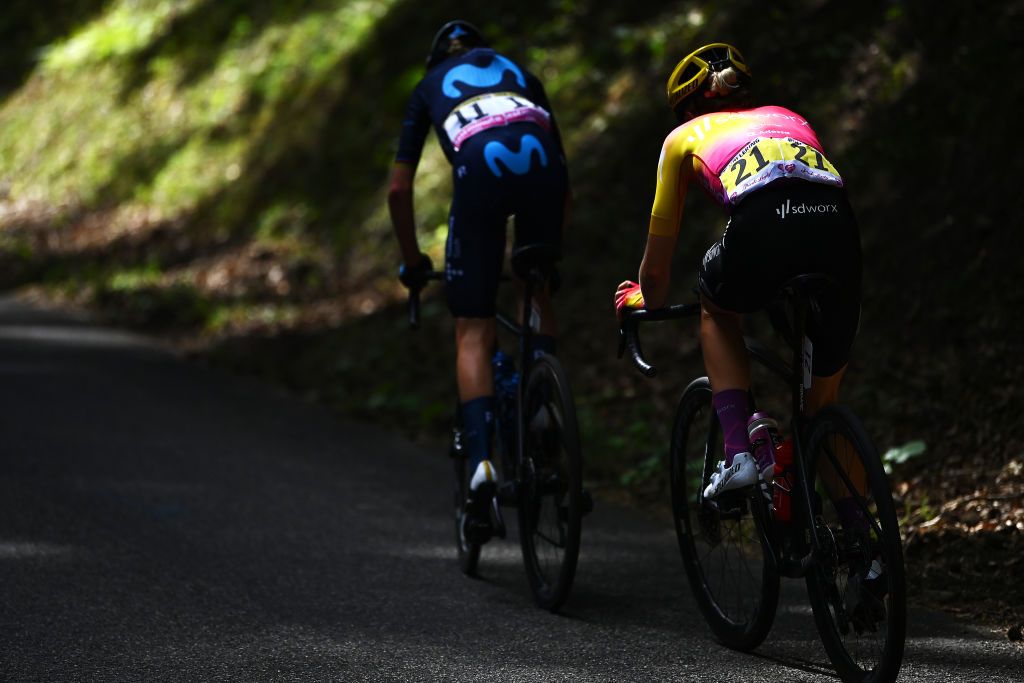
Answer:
(496, 552)
(25, 550)
(73, 335)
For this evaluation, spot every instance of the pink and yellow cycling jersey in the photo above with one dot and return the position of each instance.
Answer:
(734, 153)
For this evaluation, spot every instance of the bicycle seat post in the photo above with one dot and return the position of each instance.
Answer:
(801, 292)
(533, 264)
(800, 306)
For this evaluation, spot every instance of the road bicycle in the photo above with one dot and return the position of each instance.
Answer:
(538, 438)
(735, 548)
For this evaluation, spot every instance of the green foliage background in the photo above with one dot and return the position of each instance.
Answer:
(147, 147)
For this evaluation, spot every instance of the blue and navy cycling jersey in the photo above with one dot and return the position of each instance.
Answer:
(494, 123)
(468, 94)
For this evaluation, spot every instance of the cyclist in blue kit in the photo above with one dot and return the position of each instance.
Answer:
(495, 126)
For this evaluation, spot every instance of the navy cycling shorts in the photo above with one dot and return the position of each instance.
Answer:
(514, 170)
(792, 228)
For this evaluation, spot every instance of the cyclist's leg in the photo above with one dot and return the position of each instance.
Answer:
(474, 345)
(830, 244)
(725, 356)
(474, 342)
(728, 368)
(727, 293)
(473, 257)
(824, 391)
(833, 245)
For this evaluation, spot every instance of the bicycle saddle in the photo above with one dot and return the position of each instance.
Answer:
(807, 287)
(539, 256)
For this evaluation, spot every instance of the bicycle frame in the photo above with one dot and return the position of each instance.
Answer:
(549, 495)
(531, 279)
(524, 332)
(793, 373)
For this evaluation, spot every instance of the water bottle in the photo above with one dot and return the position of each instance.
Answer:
(506, 385)
(763, 433)
(782, 483)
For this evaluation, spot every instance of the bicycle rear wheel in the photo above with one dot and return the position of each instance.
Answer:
(468, 550)
(858, 590)
(724, 543)
(551, 490)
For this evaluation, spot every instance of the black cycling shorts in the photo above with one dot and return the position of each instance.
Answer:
(792, 228)
(514, 170)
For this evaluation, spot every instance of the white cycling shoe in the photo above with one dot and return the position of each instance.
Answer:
(742, 472)
(485, 475)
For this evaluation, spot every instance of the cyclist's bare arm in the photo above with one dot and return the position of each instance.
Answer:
(400, 206)
(656, 269)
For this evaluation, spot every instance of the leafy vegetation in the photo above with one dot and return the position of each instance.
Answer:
(215, 170)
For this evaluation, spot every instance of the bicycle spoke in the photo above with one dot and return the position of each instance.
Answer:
(721, 544)
(550, 505)
(850, 487)
(861, 619)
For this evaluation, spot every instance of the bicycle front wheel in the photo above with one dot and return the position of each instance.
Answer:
(724, 542)
(551, 484)
(857, 590)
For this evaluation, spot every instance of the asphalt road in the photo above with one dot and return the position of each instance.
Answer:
(164, 522)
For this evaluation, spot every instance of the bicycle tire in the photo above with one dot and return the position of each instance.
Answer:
(468, 551)
(551, 484)
(873, 656)
(718, 544)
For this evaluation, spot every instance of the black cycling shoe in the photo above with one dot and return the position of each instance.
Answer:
(865, 597)
(478, 519)
(476, 531)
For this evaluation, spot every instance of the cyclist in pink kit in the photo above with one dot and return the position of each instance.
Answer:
(787, 215)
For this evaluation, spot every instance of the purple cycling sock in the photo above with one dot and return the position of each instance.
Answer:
(478, 429)
(733, 409)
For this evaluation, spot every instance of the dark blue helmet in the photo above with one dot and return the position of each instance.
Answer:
(454, 37)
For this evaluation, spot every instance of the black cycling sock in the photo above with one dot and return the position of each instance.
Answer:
(478, 429)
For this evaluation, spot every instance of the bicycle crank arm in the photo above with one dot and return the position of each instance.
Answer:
(497, 520)
(797, 567)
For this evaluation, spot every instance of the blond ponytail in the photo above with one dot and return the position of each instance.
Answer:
(724, 82)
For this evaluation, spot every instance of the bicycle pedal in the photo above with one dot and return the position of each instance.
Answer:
(732, 502)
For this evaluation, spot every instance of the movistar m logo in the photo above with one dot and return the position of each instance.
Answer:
(479, 77)
(517, 162)
(789, 208)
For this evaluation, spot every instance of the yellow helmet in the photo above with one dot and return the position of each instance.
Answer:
(693, 70)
